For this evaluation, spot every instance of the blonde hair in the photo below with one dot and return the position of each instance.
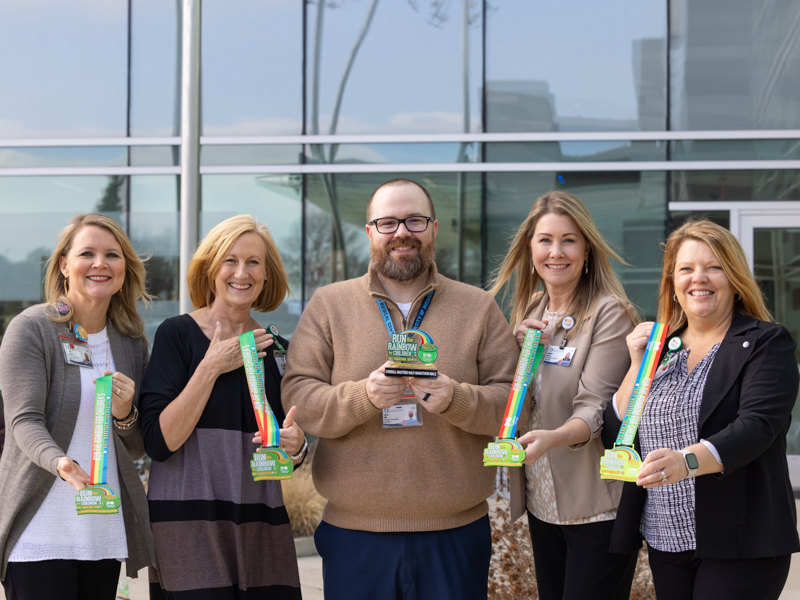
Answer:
(601, 279)
(731, 257)
(122, 308)
(207, 260)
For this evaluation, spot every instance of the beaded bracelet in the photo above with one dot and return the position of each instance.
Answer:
(129, 421)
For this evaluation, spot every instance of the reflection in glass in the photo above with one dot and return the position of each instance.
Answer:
(154, 227)
(394, 153)
(628, 207)
(154, 156)
(64, 67)
(250, 154)
(275, 201)
(251, 82)
(611, 151)
(776, 256)
(735, 185)
(394, 67)
(720, 217)
(33, 211)
(337, 246)
(735, 150)
(155, 68)
(576, 66)
(737, 72)
(64, 156)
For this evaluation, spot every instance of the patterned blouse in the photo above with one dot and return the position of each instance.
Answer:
(669, 420)
(540, 489)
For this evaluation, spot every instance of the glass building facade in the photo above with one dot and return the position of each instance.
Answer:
(650, 111)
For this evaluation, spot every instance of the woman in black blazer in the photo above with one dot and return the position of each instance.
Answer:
(713, 497)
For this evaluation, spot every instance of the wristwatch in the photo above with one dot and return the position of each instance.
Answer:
(691, 462)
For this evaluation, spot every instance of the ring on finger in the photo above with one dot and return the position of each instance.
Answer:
(117, 390)
(664, 476)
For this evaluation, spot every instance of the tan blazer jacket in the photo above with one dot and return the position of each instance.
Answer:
(580, 391)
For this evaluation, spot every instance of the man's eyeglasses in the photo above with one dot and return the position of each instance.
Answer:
(390, 224)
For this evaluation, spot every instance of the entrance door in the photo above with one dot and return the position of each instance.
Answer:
(771, 241)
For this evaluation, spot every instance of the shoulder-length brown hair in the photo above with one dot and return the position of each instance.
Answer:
(207, 260)
(731, 257)
(122, 308)
(600, 280)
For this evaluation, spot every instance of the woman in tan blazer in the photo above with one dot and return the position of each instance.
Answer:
(565, 286)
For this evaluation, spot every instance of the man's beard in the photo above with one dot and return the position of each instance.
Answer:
(403, 268)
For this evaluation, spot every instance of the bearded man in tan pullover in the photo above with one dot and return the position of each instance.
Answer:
(400, 459)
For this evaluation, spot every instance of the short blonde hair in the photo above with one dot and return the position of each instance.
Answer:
(731, 257)
(122, 308)
(207, 260)
(600, 280)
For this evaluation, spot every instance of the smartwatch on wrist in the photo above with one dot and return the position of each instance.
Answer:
(691, 462)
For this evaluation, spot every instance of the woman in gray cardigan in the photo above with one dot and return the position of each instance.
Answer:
(584, 315)
(50, 358)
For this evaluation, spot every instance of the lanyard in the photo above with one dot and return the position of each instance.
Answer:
(387, 318)
(254, 371)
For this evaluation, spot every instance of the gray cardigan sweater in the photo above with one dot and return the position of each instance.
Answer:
(41, 394)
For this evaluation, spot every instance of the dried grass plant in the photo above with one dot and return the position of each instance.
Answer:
(303, 502)
(511, 572)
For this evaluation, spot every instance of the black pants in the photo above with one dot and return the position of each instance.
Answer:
(681, 576)
(62, 579)
(573, 562)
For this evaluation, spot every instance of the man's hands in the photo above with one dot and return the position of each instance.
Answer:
(434, 394)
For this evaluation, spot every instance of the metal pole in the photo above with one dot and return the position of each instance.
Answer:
(190, 143)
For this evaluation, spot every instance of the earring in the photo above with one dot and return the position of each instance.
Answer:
(675, 297)
(586, 267)
(737, 296)
(66, 285)
(533, 270)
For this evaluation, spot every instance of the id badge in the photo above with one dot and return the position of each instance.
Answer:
(76, 352)
(405, 414)
(280, 360)
(666, 366)
(559, 356)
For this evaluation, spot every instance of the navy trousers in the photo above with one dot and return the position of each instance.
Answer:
(364, 565)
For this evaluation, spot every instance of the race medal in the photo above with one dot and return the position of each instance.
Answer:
(412, 354)
(98, 498)
(506, 451)
(270, 461)
(623, 462)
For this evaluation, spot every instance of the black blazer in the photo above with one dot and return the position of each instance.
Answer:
(749, 510)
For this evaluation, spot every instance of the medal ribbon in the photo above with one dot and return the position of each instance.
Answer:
(530, 357)
(254, 371)
(387, 318)
(102, 428)
(642, 385)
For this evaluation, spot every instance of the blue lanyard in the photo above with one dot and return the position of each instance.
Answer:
(387, 318)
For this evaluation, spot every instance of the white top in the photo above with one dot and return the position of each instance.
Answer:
(57, 531)
(404, 308)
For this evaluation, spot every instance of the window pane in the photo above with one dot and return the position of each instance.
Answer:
(155, 68)
(628, 208)
(63, 156)
(154, 219)
(612, 151)
(337, 246)
(392, 153)
(275, 201)
(735, 64)
(404, 70)
(246, 154)
(64, 67)
(33, 211)
(252, 67)
(576, 66)
(735, 185)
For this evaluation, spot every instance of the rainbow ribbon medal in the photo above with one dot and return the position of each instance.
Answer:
(623, 462)
(506, 451)
(98, 498)
(269, 461)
